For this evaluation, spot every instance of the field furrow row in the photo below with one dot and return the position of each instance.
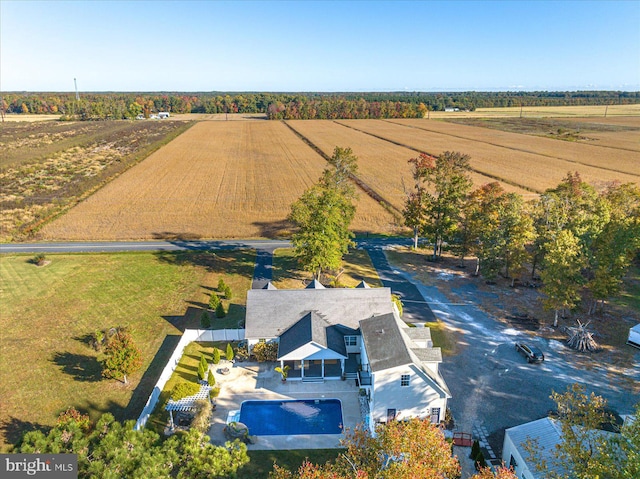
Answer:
(618, 160)
(535, 172)
(218, 180)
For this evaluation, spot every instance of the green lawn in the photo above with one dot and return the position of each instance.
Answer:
(186, 370)
(356, 267)
(47, 313)
(262, 461)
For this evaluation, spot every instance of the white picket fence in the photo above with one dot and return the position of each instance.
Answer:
(190, 335)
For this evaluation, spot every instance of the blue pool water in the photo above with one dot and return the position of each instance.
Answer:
(291, 417)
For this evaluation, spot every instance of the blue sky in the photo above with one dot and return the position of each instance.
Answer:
(319, 46)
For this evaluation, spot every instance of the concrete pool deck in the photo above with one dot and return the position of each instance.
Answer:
(258, 381)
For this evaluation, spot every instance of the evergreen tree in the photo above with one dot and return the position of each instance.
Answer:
(221, 312)
(214, 301)
(216, 355)
(211, 379)
(111, 449)
(205, 321)
(229, 352)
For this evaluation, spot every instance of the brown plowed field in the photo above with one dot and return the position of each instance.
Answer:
(217, 180)
(523, 168)
(382, 165)
(617, 159)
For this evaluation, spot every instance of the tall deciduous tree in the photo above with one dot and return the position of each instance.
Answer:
(121, 356)
(616, 245)
(446, 182)
(323, 215)
(561, 272)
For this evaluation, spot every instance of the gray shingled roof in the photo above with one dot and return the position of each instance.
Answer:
(269, 285)
(429, 355)
(315, 284)
(545, 431)
(388, 346)
(384, 343)
(419, 334)
(363, 284)
(271, 312)
(311, 327)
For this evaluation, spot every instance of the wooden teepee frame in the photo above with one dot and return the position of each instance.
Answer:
(580, 338)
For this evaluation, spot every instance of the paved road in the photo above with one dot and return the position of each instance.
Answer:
(168, 245)
(117, 246)
(416, 310)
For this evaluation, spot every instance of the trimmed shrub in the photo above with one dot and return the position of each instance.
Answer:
(480, 461)
(229, 352)
(475, 450)
(216, 355)
(211, 379)
(214, 301)
(205, 321)
(220, 311)
(226, 292)
(201, 372)
(221, 285)
(214, 392)
(265, 351)
(184, 389)
(202, 419)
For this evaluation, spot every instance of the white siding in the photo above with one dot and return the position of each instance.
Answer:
(510, 450)
(415, 400)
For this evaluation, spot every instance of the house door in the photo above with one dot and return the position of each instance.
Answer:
(391, 415)
(435, 415)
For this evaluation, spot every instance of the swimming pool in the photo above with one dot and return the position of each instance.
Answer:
(291, 417)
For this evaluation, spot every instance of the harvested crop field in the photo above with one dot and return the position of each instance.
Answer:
(614, 159)
(48, 166)
(217, 180)
(515, 159)
(382, 165)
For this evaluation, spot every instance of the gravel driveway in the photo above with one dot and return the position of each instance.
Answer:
(493, 386)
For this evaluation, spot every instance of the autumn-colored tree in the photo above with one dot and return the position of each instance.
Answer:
(446, 182)
(414, 449)
(121, 356)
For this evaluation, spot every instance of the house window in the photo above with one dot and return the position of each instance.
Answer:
(404, 380)
(351, 340)
(435, 415)
(262, 340)
(512, 462)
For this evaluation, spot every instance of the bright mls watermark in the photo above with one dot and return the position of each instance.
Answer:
(51, 466)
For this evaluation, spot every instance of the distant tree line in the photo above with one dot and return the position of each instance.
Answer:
(98, 106)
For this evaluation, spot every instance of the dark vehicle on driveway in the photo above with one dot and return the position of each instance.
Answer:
(533, 354)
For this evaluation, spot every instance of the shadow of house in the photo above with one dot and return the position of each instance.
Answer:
(80, 367)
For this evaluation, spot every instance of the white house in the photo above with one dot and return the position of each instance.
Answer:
(163, 114)
(352, 333)
(634, 336)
